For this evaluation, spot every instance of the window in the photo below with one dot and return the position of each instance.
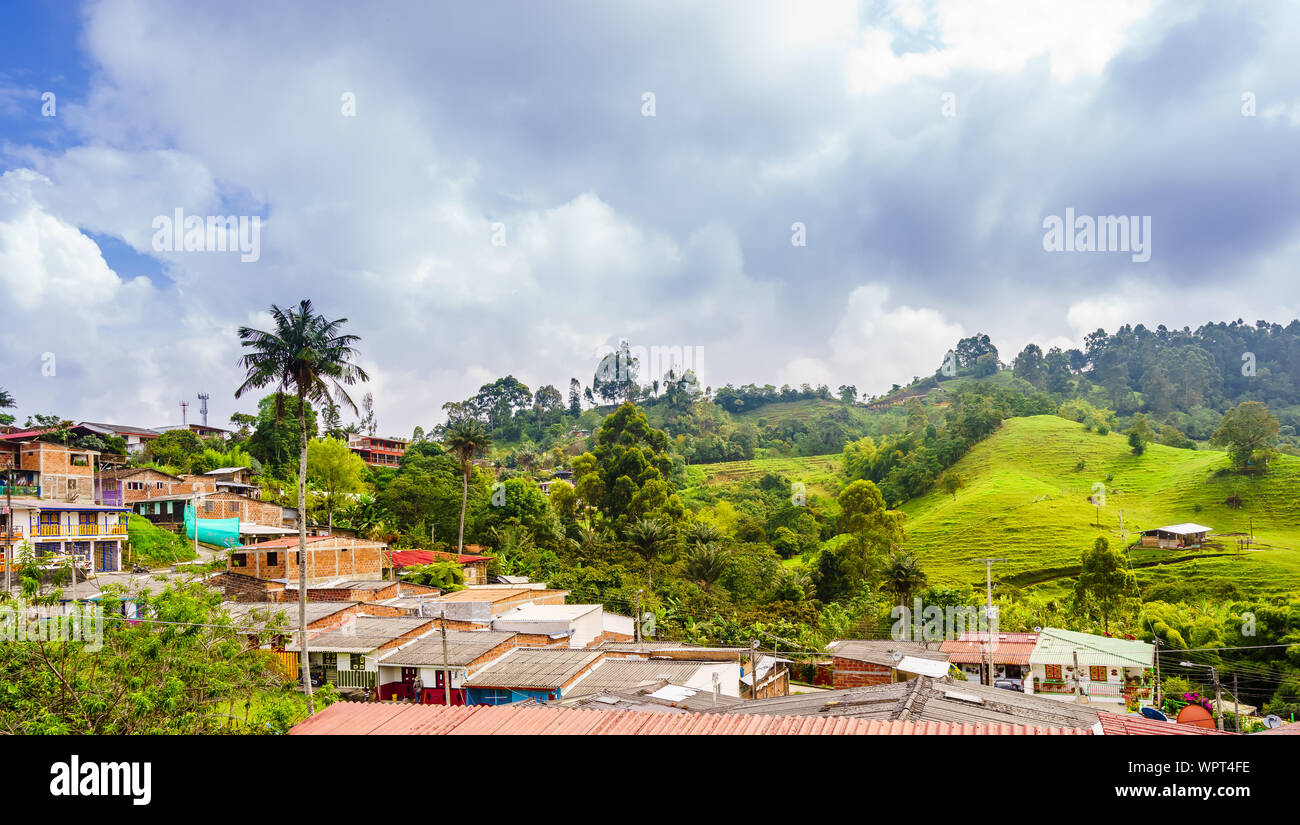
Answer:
(110, 485)
(209, 506)
(1097, 674)
(232, 507)
(272, 559)
(159, 485)
(1053, 673)
(238, 560)
(357, 661)
(72, 484)
(135, 485)
(331, 660)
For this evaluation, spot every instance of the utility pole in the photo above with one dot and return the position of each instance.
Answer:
(9, 535)
(1236, 703)
(1218, 699)
(1078, 682)
(988, 617)
(1160, 691)
(446, 672)
(636, 620)
(753, 668)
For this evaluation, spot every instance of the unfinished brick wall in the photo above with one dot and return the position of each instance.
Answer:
(850, 673)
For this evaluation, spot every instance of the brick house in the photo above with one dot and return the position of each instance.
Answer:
(328, 557)
(48, 471)
(480, 605)
(169, 510)
(136, 438)
(132, 484)
(473, 564)
(861, 662)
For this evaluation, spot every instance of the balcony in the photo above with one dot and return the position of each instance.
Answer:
(29, 490)
(74, 530)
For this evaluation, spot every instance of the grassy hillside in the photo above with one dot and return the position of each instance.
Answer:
(1025, 501)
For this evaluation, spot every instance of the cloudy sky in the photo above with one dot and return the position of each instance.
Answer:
(495, 188)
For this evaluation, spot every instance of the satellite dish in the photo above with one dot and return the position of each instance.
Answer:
(1272, 721)
(1038, 630)
(1152, 713)
(896, 656)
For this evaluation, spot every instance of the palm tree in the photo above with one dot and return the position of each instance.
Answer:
(706, 562)
(467, 439)
(903, 574)
(650, 537)
(305, 356)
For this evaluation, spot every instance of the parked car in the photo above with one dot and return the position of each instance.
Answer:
(1007, 684)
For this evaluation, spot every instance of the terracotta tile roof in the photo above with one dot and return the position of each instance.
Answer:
(1008, 649)
(1118, 724)
(534, 719)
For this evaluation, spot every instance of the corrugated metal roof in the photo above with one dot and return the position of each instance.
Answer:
(881, 651)
(1058, 647)
(463, 647)
(534, 668)
(623, 674)
(534, 719)
(926, 699)
(1006, 651)
(364, 634)
(1117, 724)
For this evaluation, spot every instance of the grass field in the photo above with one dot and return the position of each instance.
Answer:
(1026, 502)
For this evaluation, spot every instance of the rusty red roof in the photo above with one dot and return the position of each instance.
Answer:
(1117, 724)
(288, 541)
(1007, 649)
(389, 718)
(406, 558)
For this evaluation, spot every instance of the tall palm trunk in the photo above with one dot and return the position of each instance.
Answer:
(464, 502)
(302, 553)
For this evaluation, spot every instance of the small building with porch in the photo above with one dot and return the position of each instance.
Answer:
(425, 671)
(1175, 536)
(1066, 664)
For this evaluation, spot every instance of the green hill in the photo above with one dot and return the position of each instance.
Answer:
(1025, 501)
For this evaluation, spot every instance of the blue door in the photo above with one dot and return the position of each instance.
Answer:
(107, 557)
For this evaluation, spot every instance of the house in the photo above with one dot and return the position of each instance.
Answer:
(201, 430)
(773, 678)
(348, 656)
(136, 438)
(48, 471)
(1066, 664)
(93, 533)
(439, 668)
(378, 452)
(972, 651)
(328, 557)
(925, 699)
(478, 606)
(131, 484)
(232, 480)
(539, 673)
(474, 565)
(859, 662)
(572, 625)
(1175, 536)
(168, 512)
(352, 718)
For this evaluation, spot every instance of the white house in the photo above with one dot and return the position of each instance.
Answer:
(1069, 665)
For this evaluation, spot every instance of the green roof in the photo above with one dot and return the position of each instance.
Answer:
(1058, 647)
